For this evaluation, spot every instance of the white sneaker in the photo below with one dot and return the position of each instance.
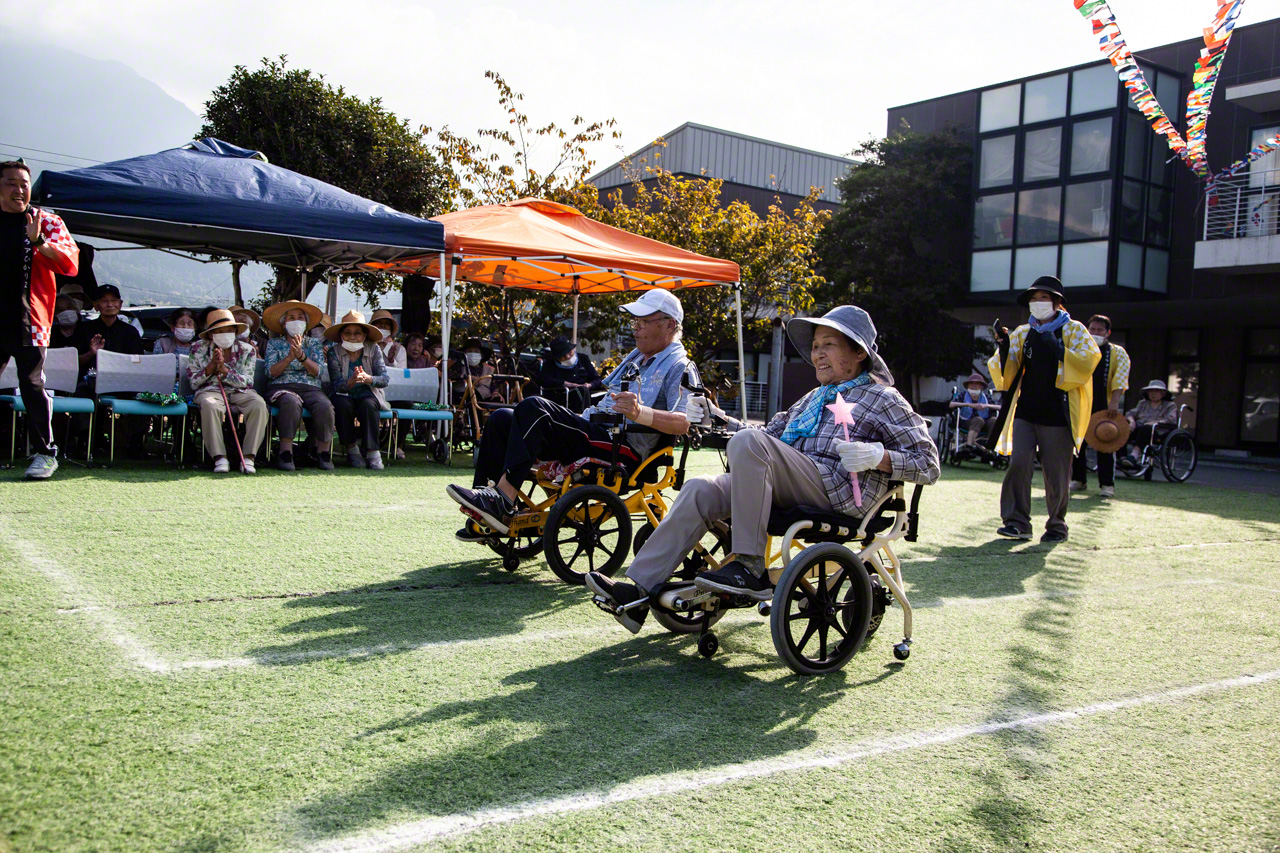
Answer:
(374, 460)
(221, 465)
(41, 467)
(1077, 486)
(248, 467)
(1107, 491)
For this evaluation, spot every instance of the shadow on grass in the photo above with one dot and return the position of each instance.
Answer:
(640, 707)
(449, 602)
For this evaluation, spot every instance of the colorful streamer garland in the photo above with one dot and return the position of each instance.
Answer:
(1203, 80)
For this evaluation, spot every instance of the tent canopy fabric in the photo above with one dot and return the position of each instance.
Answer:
(542, 245)
(211, 197)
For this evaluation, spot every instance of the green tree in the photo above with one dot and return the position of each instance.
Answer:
(303, 123)
(899, 247)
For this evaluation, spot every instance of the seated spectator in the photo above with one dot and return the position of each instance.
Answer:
(568, 377)
(75, 293)
(435, 348)
(393, 354)
(318, 330)
(477, 363)
(1155, 408)
(254, 333)
(222, 359)
(977, 411)
(416, 356)
(298, 372)
(182, 333)
(107, 331)
(68, 331)
(357, 375)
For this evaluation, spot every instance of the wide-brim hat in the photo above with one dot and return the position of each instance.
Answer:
(561, 347)
(221, 320)
(486, 351)
(975, 377)
(76, 292)
(254, 319)
(384, 314)
(850, 321)
(353, 318)
(1108, 431)
(1047, 283)
(273, 317)
(1156, 385)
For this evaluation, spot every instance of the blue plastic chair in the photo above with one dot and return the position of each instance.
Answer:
(121, 373)
(61, 373)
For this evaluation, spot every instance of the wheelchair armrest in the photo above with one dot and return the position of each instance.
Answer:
(913, 515)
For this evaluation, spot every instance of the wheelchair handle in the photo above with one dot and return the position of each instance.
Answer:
(711, 420)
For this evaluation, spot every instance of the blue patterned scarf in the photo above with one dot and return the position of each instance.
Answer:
(1051, 325)
(805, 424)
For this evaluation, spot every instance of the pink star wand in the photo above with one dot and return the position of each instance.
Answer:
(842, 409)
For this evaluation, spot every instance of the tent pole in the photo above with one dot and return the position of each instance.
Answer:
(575, 310)
(742, 369)
(331, 298)
(303, 297)
(235, 281)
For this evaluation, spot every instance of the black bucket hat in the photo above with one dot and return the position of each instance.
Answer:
(560, 347)
(1047, 283)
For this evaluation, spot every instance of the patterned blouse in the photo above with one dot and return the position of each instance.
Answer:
(244, 357)
(312, 348)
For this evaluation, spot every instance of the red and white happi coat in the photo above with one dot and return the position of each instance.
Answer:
(40, 272)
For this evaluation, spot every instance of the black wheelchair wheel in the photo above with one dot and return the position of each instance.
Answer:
(1179, 456)
(714, 543)
(642, 536)
(1135, 470)
(821, 609)
(944, 445)
(684, 623)
(588, 530)
(526, 545)
(440, 451)
(879, 603)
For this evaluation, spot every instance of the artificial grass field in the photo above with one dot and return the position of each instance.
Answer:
(191, 662)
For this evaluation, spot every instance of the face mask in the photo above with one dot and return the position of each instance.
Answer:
(437, 352)
(317, 332)
(1043, 310)
(183, 334)
(570, 362)
(974, 394)
(242, 336)
(1099, 339)
(353, 346)
(295, 327)
(68, 317)
(223, 340)
(473, 359)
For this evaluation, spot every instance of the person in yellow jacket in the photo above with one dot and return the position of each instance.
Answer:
(1048, 364)
(1110, 381)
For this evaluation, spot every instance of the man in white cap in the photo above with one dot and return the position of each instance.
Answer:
(800, 458)
(540, 430)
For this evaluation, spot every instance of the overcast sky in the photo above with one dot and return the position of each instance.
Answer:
(815, 74)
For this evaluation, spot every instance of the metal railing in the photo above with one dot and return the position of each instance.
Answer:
(757, 398)
(1246, 205)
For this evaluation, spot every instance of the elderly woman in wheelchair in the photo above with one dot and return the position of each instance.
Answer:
(793, 478)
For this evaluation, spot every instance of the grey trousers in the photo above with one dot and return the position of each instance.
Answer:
(764, 473)
(1057, 448)
(290, 398)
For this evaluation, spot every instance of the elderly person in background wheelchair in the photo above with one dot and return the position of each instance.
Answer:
(977, 409)
(799, 459)
(540, 430)
(1155, 408)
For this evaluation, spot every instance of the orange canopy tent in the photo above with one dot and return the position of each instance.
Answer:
(542, 245)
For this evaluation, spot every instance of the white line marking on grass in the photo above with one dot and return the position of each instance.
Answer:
(41, 562)
(1033, 550)
(1049, 595)
(418, 832)
(1253, 586)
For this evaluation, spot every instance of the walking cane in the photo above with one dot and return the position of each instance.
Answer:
(232, 419)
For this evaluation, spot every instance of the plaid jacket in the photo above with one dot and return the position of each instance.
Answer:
(880, 414)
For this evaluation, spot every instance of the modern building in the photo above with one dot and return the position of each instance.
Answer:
(756, 171)
(1070, 179)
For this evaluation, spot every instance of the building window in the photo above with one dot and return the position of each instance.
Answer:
(1045, 99)
(1093, 89)
(1156, 276)
(1084, 264)
(993, 221)
(999, 108)
(990, 270)
(1030, 264)
(1131, 196)
(996, 162)
(1260, 416)
(1129, 267)
(1042, 154)
(1038, 212)
(1087, 213)
(1091, 146)
(1159, 202)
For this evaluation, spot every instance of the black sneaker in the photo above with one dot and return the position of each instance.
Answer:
(470, 533)
(610, 596)
(1011, 532)
(284, 461)
(487, 505)
(1052, 537)
(735, 579)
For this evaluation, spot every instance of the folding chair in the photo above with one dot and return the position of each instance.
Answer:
(415, 386)
(121, 373)
(61, 373)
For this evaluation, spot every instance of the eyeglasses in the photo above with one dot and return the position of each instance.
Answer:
(640, 322)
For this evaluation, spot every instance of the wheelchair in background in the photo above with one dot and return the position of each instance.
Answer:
(952, 449)
(1172, 447)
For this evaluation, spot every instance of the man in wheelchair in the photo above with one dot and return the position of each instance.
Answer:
(977, 414)
(800, 458)
(538, 430)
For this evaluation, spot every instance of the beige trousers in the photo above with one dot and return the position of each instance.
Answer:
(213, 411)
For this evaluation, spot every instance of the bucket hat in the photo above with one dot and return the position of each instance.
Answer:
(850, 321)
(1047, 283)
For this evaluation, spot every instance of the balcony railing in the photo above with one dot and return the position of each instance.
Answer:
(1247, 205)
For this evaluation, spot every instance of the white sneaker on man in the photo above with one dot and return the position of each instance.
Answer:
(221, 465)
(374, 460)
(1107, 491)
(41, 467)
(1077, 486)
(248, 466)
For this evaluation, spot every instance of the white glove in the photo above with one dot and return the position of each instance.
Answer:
(699, 410)
(858, 456)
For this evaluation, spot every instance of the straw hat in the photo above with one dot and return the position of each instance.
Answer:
(273, 317)
(325, 320)
(254, 320)
(221, 320)
(384, 314)
(1108, 431)
(354, 318)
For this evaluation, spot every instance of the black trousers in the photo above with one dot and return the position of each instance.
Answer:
(537, 430)
(347, 411)
(29, 361)
(1106, 468)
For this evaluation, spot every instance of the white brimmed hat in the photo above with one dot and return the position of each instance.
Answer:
(656, 300)
(1156, 385)
(850, 321)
